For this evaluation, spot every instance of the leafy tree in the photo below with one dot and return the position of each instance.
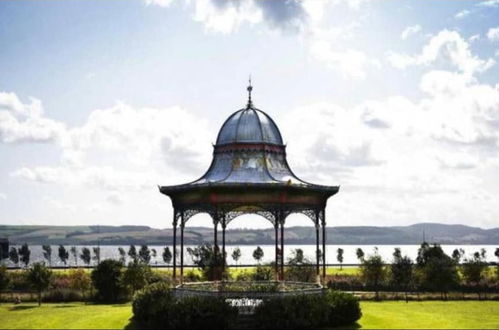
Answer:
(339, 257)
(96, 256)
(401, 272)
(258, 254)
(106, 280)
(39, 277)
(79, 279)
(4, 278)
(360, 254)
(122, 253)
(63, 254)
(47, 253)
(474, 270)
(437, 270)
(236, 254)
(373, 272)
(209, 262)
(24, 254)
(14, 256)
(154, 253)
(132, 253)
(496, 253)
(300, 268)
(136, 276)
(74, 253)
(145, 254)
(457, 254)
(85, 256)
(167, 255)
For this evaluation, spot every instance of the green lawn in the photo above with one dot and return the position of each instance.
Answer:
(380, 315)
(430, 314)
(64, 316)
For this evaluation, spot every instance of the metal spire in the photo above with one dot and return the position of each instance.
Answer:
(249, 89)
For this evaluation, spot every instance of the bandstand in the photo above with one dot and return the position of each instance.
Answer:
(249, 174)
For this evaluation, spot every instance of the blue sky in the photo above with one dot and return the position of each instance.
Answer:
(396, 101)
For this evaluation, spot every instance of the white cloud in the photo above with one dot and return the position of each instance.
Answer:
(474, 37)
(161, 3)
(489, 3)
(21, 122)
(3, 196)
(447, 48)
(409, 31)
(462, 14)
(493, 34)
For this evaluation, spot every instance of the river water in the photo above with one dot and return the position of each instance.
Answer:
(349, 256)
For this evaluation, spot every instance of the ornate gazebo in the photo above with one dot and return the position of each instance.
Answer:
(249, 174)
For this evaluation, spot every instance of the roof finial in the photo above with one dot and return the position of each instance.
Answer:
(250, 88)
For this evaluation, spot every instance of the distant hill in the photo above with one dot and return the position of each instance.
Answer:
(124, 235)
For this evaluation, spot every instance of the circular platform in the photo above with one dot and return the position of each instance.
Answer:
(250, 289)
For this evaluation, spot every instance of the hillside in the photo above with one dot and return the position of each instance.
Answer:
(115, 235)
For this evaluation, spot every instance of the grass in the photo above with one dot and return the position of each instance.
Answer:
(430, 315)
(376, 315)
(64, 316)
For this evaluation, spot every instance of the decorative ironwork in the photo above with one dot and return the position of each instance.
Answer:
(249, 174)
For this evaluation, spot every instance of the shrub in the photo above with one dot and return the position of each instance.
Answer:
(156, 307)
(263, 273)
(151, 305)
(292, 312)
(62, 295)
(344, 308)
(332, 309)
(106, 278)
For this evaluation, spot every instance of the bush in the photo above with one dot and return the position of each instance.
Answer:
(151, 305)
(292, 312)
(62, 295)
(263, 273)
(106, 278)
(156, 307)
(308, 312)
(344, 308)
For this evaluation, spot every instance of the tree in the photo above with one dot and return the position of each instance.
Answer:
(122, 253)
(496, 253)
(4, 278)
(79, 280)
(144, 254)
(373, 272)
(437, 270)
(96, 256)
(85, 256)
(360, 254)
(258, 254)
(132, 253)
(236, 254)
(47, 253)
(457, 254)
(339, 257)
(14, 256)
(401, 272)
(106, 278)
(63, 254)
(24, 254)
(136, 276)
(154, 253)
(300, 268)
(39, 277)
(209, 260)
(74, 252)
(474, 270)
(167, 255)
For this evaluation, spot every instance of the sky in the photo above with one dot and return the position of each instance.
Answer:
(395, 101)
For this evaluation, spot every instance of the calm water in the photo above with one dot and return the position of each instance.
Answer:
(349, 256)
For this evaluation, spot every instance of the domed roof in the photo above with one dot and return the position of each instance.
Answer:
(249, 125)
